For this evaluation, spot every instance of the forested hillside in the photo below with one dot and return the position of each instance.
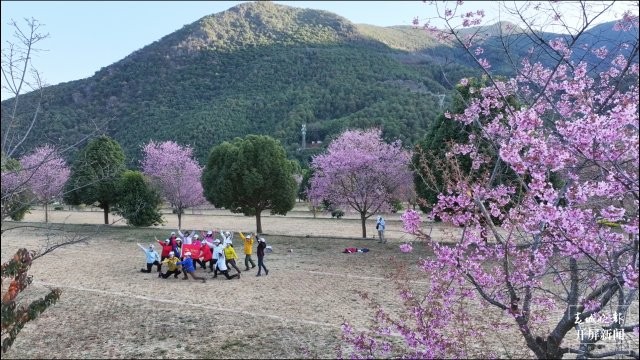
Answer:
(258, 68)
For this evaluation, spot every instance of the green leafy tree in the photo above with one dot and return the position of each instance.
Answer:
(434, 171)
(430, 154)
(138, 202)
(249, 175)
(95, 175)
(307, 174)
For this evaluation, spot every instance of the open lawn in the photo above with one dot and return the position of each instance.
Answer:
(109, 309)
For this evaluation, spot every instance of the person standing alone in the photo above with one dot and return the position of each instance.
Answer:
(261, 246)
(380, 227)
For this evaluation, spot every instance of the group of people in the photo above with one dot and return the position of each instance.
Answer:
(218, 255)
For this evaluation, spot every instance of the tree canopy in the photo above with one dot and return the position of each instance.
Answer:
(138, 201)
(175, 174)
(95, 174)
(361, 172)
(249, 175)
(432, 155)
(45, 173)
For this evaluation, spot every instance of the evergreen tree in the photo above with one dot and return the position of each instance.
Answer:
(434, 171)
(249, 175)
(138, 202)
(95, 175)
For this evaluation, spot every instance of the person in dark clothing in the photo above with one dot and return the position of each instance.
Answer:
(177, 248)
(380, 226)
(261, 246)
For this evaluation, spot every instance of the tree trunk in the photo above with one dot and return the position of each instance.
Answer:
(46, 212)
(364, 226)
(106, 214)
(547, 349)
(258, 222)
(179, 219)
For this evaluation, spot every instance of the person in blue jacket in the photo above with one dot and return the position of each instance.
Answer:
(188, 267)
(153, 258)
(380, 226)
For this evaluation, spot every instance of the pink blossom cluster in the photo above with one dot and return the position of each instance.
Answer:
(176, 174)
(426, 329)
(628, 21)
(11, 184)
(43, 173)
(406, 248)
(362, 173)
(411, 221)
(568, 227)
(592, 145)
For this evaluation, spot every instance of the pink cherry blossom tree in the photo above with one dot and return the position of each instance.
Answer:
(16, 198)
(361, 172)
(566, 250)
(175, 173)
(45, 173)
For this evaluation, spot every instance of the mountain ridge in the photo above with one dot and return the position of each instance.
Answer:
(259, 68)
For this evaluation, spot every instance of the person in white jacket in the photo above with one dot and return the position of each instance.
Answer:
(221, 266)
(188, 237)
(217, 249)
(227, 236)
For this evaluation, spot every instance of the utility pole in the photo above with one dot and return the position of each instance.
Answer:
(441, 100)
(304, 136)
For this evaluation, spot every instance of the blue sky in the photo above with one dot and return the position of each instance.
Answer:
(86, 36)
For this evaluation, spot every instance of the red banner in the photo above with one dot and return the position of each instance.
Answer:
(193, 249)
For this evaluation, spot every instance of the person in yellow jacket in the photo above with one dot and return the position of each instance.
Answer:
(230, 254)
(172, 266)
(248, 249)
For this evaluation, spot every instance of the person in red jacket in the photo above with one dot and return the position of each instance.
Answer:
(173, 238)
(207, 255)
(166, 249)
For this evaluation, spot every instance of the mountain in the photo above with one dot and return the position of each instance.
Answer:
(258, 68)
(495, 38)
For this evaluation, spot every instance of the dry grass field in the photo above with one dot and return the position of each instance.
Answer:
(109, 309)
